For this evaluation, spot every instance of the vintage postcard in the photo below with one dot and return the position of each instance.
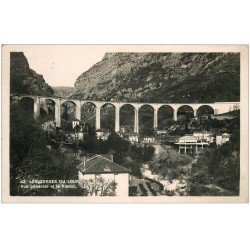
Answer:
(125, 123)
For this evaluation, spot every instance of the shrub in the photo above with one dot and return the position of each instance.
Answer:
(143, 190)
(157, 186)
(133, 191)
(151, 189)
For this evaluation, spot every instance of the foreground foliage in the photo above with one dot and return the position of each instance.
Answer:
(31, 157)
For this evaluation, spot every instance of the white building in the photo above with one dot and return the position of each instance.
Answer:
(149, 139)
(161, 131)
(133, 137)
(190, 142)
(75, 122)
(99, 167)
(188, 139)
(223, 117)
(222, 138)
(204, 136)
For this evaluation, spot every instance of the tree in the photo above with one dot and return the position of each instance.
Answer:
(98, 187)
(30, 157)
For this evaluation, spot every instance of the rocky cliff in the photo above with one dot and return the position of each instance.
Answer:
(24, 80)
(162, 77)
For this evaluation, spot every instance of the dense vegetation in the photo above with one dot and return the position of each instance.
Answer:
(170, 166)
(217, 167)
(31, 157)
(215, 172)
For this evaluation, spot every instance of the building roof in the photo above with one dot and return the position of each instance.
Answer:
(75, 120)
(100, 165)
(201, 132)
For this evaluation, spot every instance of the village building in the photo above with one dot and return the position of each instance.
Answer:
(89, 156)
(132, 137)
(204, 117)
(149, 139)
(222, 138)
(189, 138)
(211, 138)
(99, 166)
(190, 142)
(223, 117)
(75, 122)
(80, 135)
(102, 134)
(160, 131)
(204, 136)
(49, 126)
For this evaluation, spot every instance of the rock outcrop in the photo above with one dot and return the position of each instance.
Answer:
(162, 77)
(24, 80)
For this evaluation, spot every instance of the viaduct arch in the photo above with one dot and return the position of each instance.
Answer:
(218, 108)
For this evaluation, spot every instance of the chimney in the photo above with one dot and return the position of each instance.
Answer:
(84, 161)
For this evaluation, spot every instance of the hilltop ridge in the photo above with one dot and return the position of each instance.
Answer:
(162, 77)
(24, 80)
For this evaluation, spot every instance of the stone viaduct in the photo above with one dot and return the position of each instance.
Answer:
(218, 108)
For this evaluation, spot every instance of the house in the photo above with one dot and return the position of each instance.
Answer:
(99, 167)
(102, 134)
(49, 126)
(149, 139)
(132, 137)
(189, 138)
(222, 138)
(204, 136)
(204, 117)
(210, 138)
(190, 142)
(80, 135)
(161, 131)
(222, 117)
(75, 122)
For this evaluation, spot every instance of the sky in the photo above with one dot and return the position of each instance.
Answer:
(61, 65)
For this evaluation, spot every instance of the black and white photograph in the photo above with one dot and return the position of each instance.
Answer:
(105, 121)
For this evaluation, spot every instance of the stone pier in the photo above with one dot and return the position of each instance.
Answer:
(37, 105)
